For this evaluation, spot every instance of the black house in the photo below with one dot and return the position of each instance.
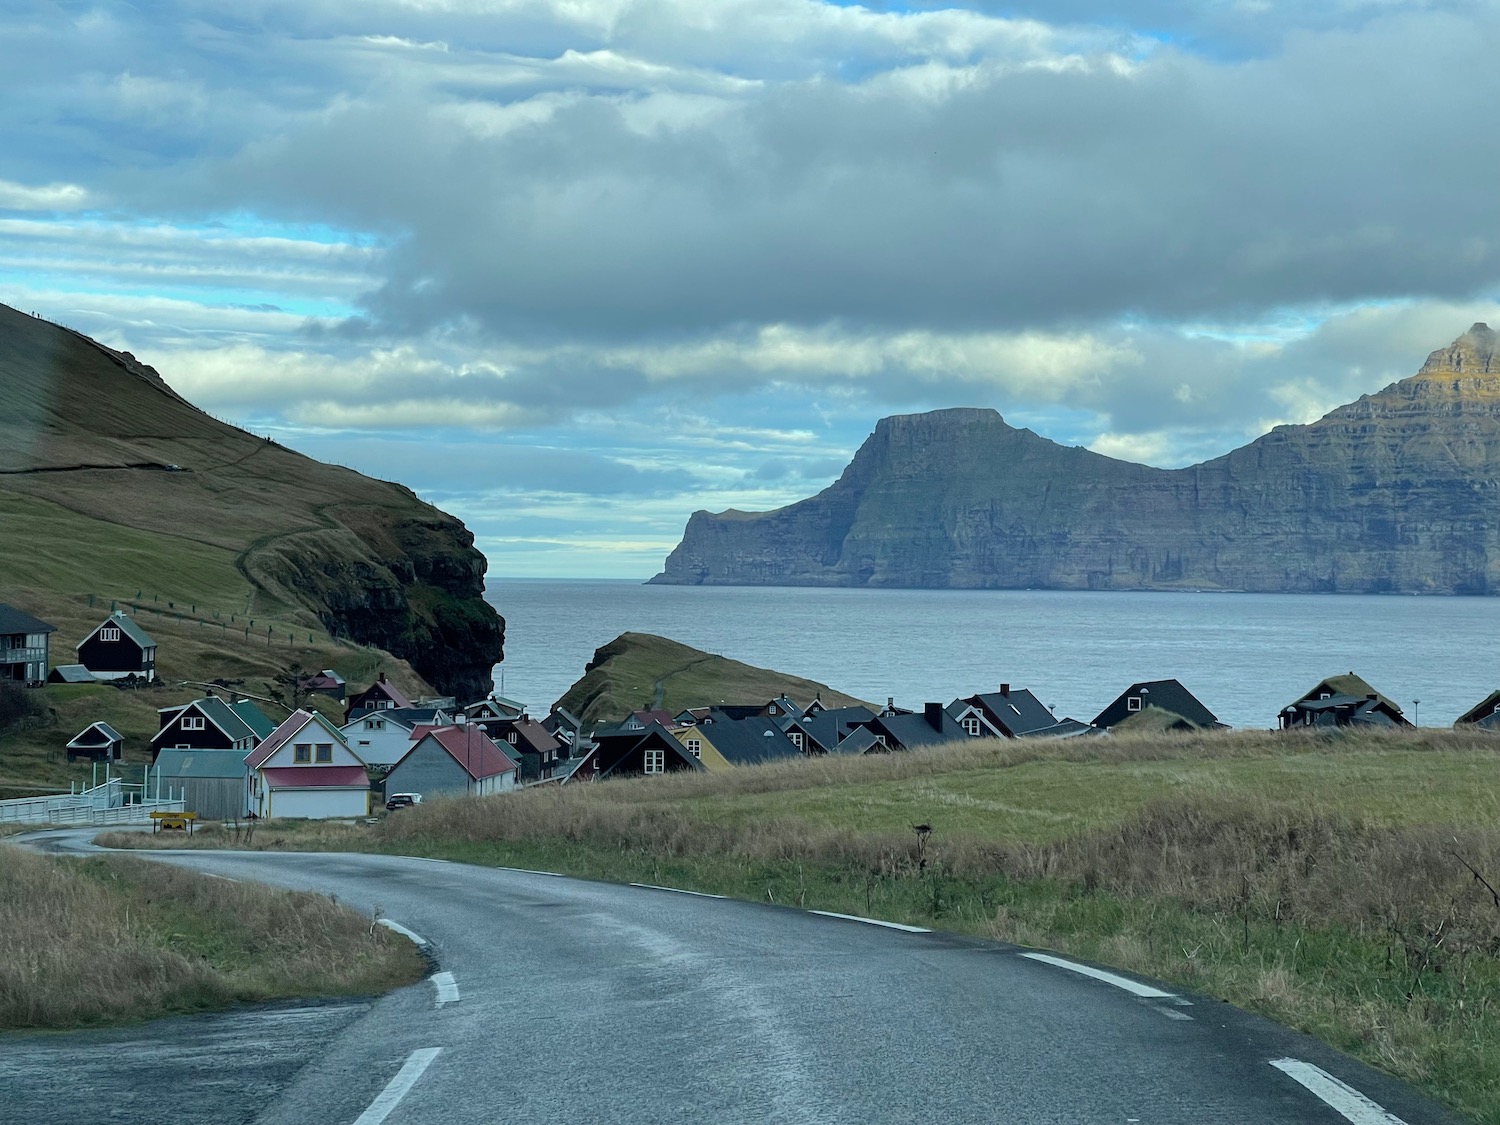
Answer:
(1007, 713)
(118, 648)
(636, 753)
(908, 731)
(1342, 701)
(211, 723)
(1485, 713)
(1174, 707)
(99, 742)
(23, 646)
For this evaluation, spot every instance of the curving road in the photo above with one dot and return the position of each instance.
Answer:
(564, 1001)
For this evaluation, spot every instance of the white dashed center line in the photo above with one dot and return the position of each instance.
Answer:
(1131, 986)
(399, 1086)
(1354, 1106)
(447, 988)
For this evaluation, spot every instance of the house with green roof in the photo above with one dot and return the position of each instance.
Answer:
(211, 723)
(118, 648)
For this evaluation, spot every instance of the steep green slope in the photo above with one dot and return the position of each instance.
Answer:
(112, 484)
(638, 671)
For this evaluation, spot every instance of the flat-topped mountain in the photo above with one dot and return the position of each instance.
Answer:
(1397, 492)
(112, 484)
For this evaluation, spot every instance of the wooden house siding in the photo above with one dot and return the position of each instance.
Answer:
(122, 657)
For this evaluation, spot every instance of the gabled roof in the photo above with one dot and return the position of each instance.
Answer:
(13, 620)
(831, 725)
(745, 742)
(646, 718)
(1015, 712)
(909, 731)
(201, 763)
(627, 742)
(1348, 684)
(1482, 710)
(230, 722)
(499, 704)
(71, 674)
(1169, 695)
(385, 688)
(289, 729)
(408, 718)
(857, 741)
(470, 747)
(122, 621)
(253, 717)
(531, 735)
(316, 777)
(101, 727)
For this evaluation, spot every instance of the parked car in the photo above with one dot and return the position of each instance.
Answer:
(403, 801)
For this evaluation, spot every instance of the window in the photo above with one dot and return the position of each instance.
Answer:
(971, 726)
(796, 737)
(1322, 695)
(192, 722)
(302, 752)
(1133, 703)
(325, 752)
(695, 747)
(511, 738)
(773, 710)
(656, 761)
(109, 634)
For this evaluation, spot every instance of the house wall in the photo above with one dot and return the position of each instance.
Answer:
(209, 738)
(316, 730)
(710, 756)
(213, 798)
(381, 745)
(500, 783)
(318, 804)
(429, 770)
(115, 659)
(24, 657)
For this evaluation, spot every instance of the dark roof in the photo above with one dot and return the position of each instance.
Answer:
(1016, 713)
(201, 763)
(380, 687)
(832, 725)
(13, 620)
(1484, 709)
(409, 717)
(630, 741)
(531, 735)
(1169, 695)
(102, 728)
(1066, 728)
(910, 731)
(744, 742)
(234, 725)
(121, 620)
(857, 741)
(70, 674)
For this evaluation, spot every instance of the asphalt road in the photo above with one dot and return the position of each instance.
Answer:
(565, 1001)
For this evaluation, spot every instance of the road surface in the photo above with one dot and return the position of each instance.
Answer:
(565, 1002)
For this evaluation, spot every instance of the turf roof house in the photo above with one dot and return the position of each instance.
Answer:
(118, 648)
(1157, 705)
(453, 761)
(211, 723)
(24, 644)
(1342, 701)
(382, 738)
(304, 768)
(1484, 714)
(720, 742)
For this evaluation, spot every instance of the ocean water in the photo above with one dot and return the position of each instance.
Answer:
(1244, 655)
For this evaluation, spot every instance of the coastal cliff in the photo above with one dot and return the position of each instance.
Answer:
(92, 441)
(1397, 492)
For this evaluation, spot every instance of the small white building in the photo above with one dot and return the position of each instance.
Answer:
(382, 738)
(305, 768)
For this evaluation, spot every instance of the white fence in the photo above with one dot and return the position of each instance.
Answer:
(103, 804)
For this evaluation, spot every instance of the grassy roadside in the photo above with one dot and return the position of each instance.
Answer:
(115, 940)
(1323, 882)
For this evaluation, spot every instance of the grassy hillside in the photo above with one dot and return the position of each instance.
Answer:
(639, 670)
(113, 485)
(189, 648)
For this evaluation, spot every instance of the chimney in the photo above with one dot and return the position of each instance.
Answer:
(209, 694)
(1372, 696)
(933, 713)
(381, 677)
(1005, 690)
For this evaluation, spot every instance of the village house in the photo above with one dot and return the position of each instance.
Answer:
(382, 695)
(1484, 714)
(382, 737)
(24, 644)
(1007, 713)
(527, 741)
(822, 730)
(98, 742)
(213, 783)
(453, 761)
(493, 707)
(71, 674)
(211, 723)
(118, 648)
(304, 768)
(1342, 701)
(895, 729)
(327, 682)
(566, 727)
(634, 753)
(720, 742)
(1157, 705)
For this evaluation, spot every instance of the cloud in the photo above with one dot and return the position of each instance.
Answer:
(47, 197)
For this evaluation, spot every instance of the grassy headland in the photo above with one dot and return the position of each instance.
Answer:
(85, 942)
(637, 671)
(1325, 880)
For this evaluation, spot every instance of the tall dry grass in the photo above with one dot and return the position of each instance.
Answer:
(103, 941)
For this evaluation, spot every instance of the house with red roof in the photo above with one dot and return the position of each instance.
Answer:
(382, 695)
(453, 761)
(304, 768)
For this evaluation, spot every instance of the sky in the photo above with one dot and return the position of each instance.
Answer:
(574, 269)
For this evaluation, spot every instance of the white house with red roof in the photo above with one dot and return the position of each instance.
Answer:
(453, 761)
(304, 768)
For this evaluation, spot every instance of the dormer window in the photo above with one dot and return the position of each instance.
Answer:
(110, 633)
(1133, 703)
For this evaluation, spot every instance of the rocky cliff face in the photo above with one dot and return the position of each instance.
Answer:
(1398, 492)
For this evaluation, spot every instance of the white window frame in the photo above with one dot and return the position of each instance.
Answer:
(695, 747)
(193, 722)
(1133, 703)
(655, 762)
(971, 725)
(511, 738)
(112, 633)
(796, 737)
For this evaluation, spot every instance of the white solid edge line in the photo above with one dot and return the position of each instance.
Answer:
(674, 890)
(1134, 987)
(529, 871)
(873, 922)
(404, 932)
(447, 988)
(399, 1086)
(1348, 1101)
(226, 878)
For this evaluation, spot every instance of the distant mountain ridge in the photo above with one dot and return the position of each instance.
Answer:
(96, 448)
(1396, 492)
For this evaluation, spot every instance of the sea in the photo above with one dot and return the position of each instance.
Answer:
(1244, 655)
